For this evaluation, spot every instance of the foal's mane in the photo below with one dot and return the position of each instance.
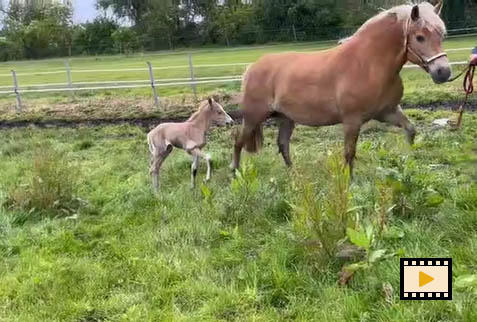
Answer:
(428, 18)
(202, 105)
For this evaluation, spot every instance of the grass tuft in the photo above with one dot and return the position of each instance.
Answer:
(50, 187)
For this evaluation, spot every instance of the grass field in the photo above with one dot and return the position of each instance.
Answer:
(419, 86)
(83, 237)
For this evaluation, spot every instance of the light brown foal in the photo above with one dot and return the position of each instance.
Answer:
(189, 136)
(351, 84)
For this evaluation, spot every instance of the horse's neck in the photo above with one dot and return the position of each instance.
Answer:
(383, 42)
(202, 121)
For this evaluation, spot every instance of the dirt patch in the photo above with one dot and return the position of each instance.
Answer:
(138, 112)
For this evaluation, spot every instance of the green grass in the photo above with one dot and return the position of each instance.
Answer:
(416, 81)
(231, 251)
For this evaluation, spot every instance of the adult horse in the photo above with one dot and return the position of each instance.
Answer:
(351, 84)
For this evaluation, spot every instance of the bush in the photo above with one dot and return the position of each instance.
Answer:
(10, 50)
(50, 188)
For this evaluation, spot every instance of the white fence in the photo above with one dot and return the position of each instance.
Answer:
(192, 81)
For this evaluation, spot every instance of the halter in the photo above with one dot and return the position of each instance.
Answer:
(424, 61)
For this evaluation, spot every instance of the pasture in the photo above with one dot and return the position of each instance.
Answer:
(246, 249)
(84, 238)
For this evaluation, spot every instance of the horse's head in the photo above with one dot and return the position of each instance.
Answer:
(218, 114)
(425, 31)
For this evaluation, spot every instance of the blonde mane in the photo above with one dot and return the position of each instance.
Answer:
(428, 18)
(202, 105)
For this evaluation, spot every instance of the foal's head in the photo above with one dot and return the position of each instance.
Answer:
(217, 113)
(425, 31)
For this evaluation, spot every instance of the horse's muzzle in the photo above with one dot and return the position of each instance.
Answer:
(440, 73)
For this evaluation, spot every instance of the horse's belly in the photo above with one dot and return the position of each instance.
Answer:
(312, 114)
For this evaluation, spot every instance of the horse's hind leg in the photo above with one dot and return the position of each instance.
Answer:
(351, 131)
(251, 134)
(284, 134)
(156, 162)
(397, 118)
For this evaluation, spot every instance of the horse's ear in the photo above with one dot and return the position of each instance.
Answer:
(415, 13)
(438, 7)
(211, 102)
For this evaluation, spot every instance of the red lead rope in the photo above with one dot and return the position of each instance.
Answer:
(468, 88)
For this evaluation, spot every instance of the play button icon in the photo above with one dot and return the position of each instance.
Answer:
(424, 279)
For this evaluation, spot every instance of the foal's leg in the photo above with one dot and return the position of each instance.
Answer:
(397, 118)
(284, 134)
(156, 162)
(195, 164)
(351, 131)
(196, 154)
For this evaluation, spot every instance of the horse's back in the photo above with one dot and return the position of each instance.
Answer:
(292, 83)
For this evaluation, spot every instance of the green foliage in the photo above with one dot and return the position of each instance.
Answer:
(125, 40)
(11, 50)
(37, 31)
(246, 184)
(97, 37)
(44, 30)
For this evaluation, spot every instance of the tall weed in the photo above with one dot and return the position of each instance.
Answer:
(50, 187)
(324, 217)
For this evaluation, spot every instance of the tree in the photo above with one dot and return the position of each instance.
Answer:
(132, 9)
(125, 40)
(96, 37)
(41, 31)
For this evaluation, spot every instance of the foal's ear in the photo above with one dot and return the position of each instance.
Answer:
(211, 101)
(438, 6)
(415, 13)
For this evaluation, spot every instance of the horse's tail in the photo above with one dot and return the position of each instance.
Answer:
(245, 77)
(254, 142)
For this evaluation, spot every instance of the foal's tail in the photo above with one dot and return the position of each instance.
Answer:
(254, 142)
(152, 148)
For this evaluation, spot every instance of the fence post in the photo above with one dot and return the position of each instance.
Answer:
(192, 77)
(68, 76)
(153, 85)
(16, 90)
(294, 33)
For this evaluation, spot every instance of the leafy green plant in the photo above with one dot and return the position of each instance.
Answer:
(246, 184)
(367, 240)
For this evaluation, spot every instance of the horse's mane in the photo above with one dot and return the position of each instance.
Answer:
(427, 14)
(202, 105)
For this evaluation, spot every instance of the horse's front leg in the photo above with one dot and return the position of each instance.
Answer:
(195, 164)
(397, 118)
(351, 131)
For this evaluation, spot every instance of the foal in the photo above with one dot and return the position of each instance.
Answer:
(188, 135)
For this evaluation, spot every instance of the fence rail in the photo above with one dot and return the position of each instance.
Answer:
(192, 81)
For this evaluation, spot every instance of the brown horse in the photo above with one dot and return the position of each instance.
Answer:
(351, 84)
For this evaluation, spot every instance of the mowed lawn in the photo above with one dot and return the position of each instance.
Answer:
(174, 66)
(245, 249)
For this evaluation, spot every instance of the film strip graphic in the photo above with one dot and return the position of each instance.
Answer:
(426, 279)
